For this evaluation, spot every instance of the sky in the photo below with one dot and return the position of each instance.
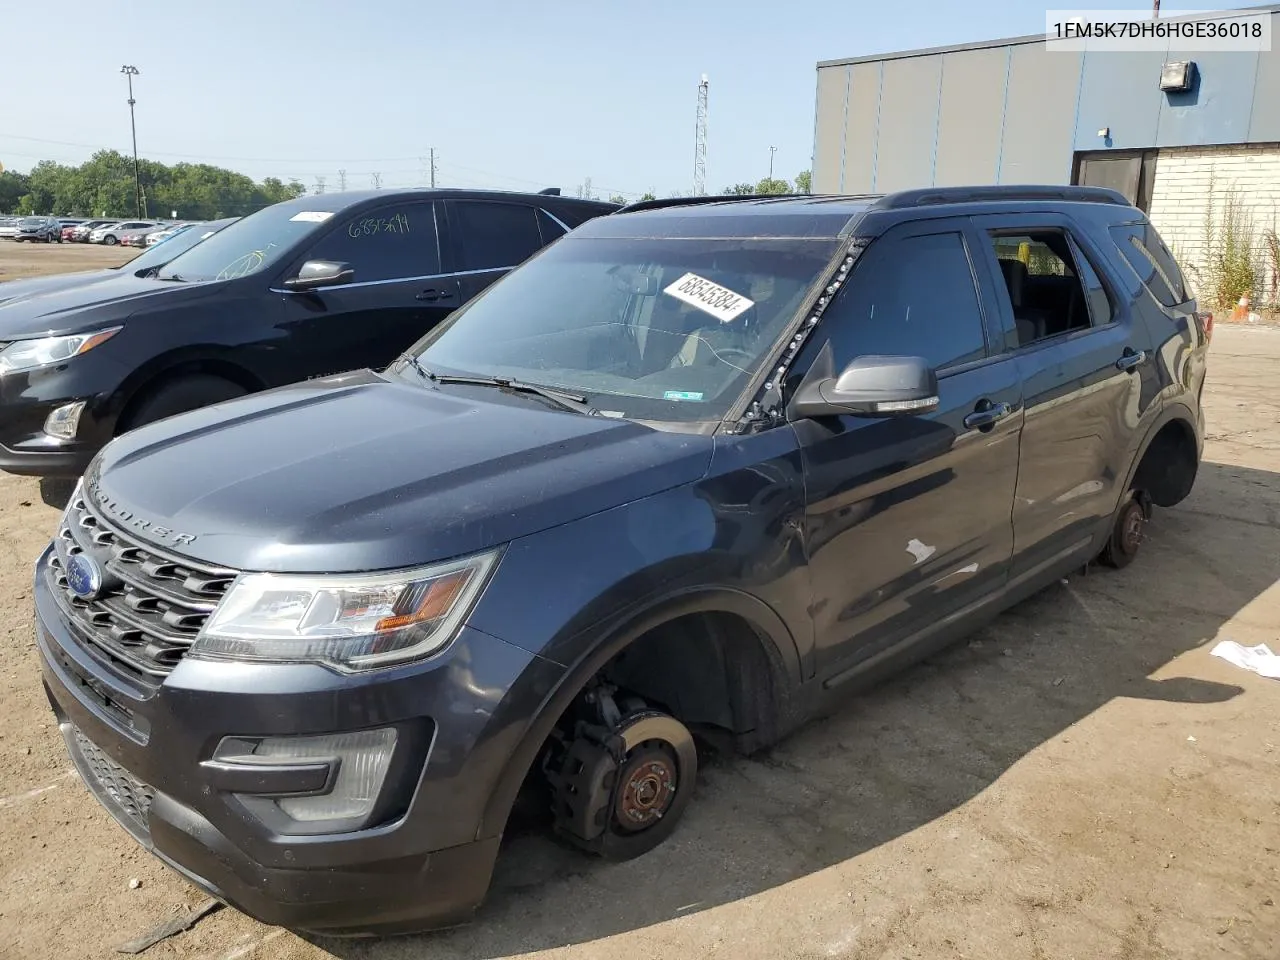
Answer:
(511, 94)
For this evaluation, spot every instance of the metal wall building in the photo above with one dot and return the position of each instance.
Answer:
(1014, 111)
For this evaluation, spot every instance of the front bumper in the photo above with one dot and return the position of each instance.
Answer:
(139, 748)
(29, 396)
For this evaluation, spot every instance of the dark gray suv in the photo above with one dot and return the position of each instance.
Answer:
(691, 474)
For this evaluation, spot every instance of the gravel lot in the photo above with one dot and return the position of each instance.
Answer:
(1080, 780)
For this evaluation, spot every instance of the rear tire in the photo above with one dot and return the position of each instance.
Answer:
(181, 396)
(110, 240)
(1126, 536)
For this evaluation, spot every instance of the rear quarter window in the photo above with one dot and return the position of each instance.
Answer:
(1144, 251)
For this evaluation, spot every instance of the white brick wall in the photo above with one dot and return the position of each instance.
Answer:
(1181, 190)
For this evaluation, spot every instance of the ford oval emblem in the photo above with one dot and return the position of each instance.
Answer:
(84, 576)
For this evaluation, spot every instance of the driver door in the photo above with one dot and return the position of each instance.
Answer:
(398, 293)
(908, 519)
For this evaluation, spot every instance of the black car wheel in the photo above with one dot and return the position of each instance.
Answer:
(1126, 536)
(179, 396)
(110, 240)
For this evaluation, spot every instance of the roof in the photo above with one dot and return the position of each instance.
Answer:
(1019, 41)
(335, 202)
(813, 217)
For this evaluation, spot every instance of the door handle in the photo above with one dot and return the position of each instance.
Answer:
(431, 294)
(986, 414)
(1131, 360)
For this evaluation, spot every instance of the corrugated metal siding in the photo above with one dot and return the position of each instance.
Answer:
(829, 129)
(970, 117)
(948, 118)
(860, 132)
(908, 123)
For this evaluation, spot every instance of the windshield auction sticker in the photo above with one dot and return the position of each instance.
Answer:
(720, 302)
(312, 216)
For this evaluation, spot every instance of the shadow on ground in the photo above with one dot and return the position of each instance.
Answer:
(909, 752)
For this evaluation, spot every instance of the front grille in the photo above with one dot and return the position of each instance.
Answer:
(128, 796)
(151, 606)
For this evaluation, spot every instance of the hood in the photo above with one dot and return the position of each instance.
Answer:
(362, 472)
(15, 289)
(86, 306)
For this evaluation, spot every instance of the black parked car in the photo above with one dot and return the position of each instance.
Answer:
(305, 288)
(145, 264)
(694, 468)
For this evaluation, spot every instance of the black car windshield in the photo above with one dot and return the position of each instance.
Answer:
(650, 329)
(182, 240)
(247, 246)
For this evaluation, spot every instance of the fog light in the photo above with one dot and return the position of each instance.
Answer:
(61, 424)
(361, 758)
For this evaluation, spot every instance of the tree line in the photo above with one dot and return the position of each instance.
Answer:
(103, 186)
(767, 186)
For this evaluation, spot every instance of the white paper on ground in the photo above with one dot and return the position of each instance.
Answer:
(1259, 659)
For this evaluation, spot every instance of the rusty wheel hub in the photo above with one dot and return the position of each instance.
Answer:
(646, 788)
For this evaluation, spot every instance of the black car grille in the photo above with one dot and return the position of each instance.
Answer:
(127, 796)
(151, 606)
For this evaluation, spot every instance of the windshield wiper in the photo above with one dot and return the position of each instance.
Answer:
(171, 278)
(422, 371)
(562, 398)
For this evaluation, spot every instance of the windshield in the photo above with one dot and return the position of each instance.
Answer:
(180, 241)
(651, 329)
(32, 222)
(245, 247)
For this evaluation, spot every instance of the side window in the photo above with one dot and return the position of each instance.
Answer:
(550, 226)
(1143, 250)
(493, 234)
(913, 297)
(388, 243)
(1048, 292)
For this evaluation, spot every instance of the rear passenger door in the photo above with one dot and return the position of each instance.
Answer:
(1085, 362)
(907, 519)
(490, 237)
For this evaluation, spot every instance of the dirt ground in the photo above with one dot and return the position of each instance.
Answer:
(37, 259)
(1080, 780)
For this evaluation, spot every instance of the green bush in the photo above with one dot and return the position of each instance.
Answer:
(1232, 249)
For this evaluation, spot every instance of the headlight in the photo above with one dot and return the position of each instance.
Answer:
(349, 621)
(29, 354)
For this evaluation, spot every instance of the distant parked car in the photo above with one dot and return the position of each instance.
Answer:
(110, 235)
(9, 227)
(68, 233)
(44, 229)
(82, 231)
(159, 236)
(135, 238)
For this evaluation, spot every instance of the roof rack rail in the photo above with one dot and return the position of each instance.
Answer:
(926, 196)
(549, 192)
(688, 201)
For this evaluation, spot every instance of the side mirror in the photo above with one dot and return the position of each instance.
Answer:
(867, 387)
(321, 273)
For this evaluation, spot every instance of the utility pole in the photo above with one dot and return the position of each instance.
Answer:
(586, 189)
(433, 168)
(1155, 9)
(377, 180)
(319, 185)
(130, 72)
(700, 142)
(342, 180)
(772, 151)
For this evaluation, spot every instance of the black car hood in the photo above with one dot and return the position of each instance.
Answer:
(87, 306)
(362, 472)
(34, 286)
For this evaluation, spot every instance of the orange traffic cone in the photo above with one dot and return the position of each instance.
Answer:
(1241, 310)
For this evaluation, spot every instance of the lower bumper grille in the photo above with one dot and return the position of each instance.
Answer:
(128, 798)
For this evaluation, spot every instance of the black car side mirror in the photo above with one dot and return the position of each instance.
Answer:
(868, 387)
(321, 273)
